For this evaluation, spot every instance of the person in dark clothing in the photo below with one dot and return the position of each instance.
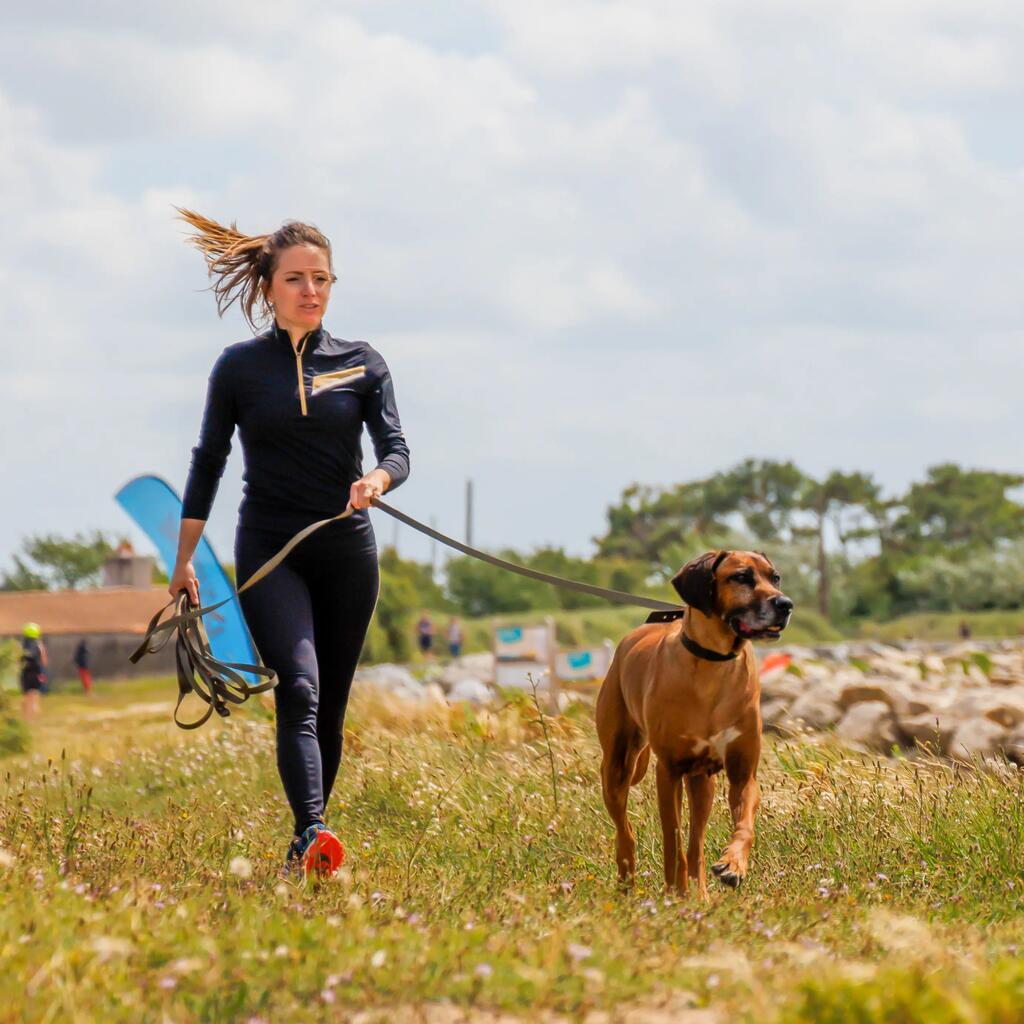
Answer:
(299, 398)
(33, 668)
(82, 664)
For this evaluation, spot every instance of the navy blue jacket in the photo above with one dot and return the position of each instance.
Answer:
(300, 419)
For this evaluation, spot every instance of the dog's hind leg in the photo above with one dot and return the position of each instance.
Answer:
(670, 805)
(617, 769)
(700, 794)
(621, 746)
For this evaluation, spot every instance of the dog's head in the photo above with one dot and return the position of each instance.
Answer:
(739, 587)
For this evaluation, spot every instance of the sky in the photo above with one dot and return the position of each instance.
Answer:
(597, 242)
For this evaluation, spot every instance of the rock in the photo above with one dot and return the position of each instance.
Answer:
(1015, 746)
(470, 691)
(928, 729)
(781, 687)
(774, 713)
(472, 666)
(870, 724)
(1005, 707)
(977, 737)
(873, 691)
(815, 710)
(394, 679)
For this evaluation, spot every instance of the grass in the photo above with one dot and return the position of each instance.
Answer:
(946, 625)
(139, 879)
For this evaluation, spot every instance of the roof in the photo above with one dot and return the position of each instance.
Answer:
(101, 610)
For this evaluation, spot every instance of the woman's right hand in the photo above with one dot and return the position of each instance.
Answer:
(184, 578)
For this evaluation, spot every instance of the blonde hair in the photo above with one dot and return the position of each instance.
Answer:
(241, 266)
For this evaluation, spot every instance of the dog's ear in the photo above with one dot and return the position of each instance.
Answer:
(695, 582)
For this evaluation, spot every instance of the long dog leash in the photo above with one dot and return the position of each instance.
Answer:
(219, 684)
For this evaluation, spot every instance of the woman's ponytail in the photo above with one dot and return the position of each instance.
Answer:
(241, 266)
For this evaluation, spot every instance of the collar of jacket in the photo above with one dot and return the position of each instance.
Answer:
(314, 337)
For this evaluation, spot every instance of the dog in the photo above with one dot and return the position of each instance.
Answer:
(685, 685)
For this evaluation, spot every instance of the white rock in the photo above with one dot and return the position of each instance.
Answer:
(977, 737)
(774, 713)
(930, 730)
(471, 691)
(873, 690)
(870, 724)
(815, 710)
(781, 687)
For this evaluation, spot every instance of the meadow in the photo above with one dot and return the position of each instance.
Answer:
(140, 878)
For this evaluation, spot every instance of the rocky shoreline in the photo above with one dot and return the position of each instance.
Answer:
(963, 701)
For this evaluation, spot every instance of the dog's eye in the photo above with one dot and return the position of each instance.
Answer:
(746, 578)
(775, 579)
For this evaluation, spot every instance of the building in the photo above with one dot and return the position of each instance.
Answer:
(113, 619)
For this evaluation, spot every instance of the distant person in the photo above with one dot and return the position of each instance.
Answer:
(455, 637)
(82, 664)
(33, 668)
(965, 630)
(425, 634)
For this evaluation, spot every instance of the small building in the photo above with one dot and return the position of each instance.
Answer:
(112, 618)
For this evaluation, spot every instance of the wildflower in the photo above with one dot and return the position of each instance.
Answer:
(577, 952)
(168, 983)
(378, 958)
(483, 970)
(240, 867)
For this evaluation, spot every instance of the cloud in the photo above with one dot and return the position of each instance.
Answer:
(597, 242)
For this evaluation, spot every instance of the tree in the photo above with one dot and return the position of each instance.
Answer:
(957, 511)
(59, 562)
(831, 502)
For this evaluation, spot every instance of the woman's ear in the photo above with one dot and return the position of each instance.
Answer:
(695, 582)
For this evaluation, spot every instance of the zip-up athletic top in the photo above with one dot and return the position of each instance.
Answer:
(300, 416)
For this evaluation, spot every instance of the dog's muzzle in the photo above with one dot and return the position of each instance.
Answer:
(764, 620)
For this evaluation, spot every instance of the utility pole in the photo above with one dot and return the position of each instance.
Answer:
(469, 512)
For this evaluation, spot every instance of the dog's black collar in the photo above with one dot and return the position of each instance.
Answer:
(702, 652)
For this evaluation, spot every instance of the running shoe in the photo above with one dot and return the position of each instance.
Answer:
(317, 851)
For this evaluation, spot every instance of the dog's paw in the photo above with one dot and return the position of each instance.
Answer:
(727, 873)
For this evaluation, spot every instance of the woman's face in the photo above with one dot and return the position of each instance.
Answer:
(300, 287)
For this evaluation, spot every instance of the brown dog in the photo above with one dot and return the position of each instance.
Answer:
(686, 686)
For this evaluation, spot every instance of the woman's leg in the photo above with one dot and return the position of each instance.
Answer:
(279, 614)
(344, 595)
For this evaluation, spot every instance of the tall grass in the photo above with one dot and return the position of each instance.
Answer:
(141, 881)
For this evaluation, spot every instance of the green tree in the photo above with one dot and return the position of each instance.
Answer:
(956, 511)
(60, 562)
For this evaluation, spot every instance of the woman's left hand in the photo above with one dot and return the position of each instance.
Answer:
(371, 486)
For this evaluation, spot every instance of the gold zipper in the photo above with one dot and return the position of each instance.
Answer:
(298, 369)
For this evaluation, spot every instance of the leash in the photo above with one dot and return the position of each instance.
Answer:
(219, 684)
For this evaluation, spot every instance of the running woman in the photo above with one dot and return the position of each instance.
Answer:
(299, 397)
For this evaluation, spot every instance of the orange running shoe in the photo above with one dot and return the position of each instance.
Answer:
(318, 850)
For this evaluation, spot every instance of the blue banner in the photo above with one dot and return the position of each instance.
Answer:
(156, 508)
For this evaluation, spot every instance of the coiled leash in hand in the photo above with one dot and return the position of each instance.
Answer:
(219, 683)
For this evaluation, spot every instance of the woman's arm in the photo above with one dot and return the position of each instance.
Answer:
(381, 416)
(209, 457)
(184, 576)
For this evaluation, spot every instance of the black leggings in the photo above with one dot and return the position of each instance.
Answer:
(308, 620)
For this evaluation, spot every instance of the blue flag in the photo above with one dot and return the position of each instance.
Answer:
(156, 509)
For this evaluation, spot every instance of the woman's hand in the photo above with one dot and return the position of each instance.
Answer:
(371, 486)
(184, 578)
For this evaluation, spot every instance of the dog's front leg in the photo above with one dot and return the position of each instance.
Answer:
(744, 799)
(700, 792)
(670, 799)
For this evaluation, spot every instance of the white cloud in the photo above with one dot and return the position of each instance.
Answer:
(599, 242)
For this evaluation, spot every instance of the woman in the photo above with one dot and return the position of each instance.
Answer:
(299, 397)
